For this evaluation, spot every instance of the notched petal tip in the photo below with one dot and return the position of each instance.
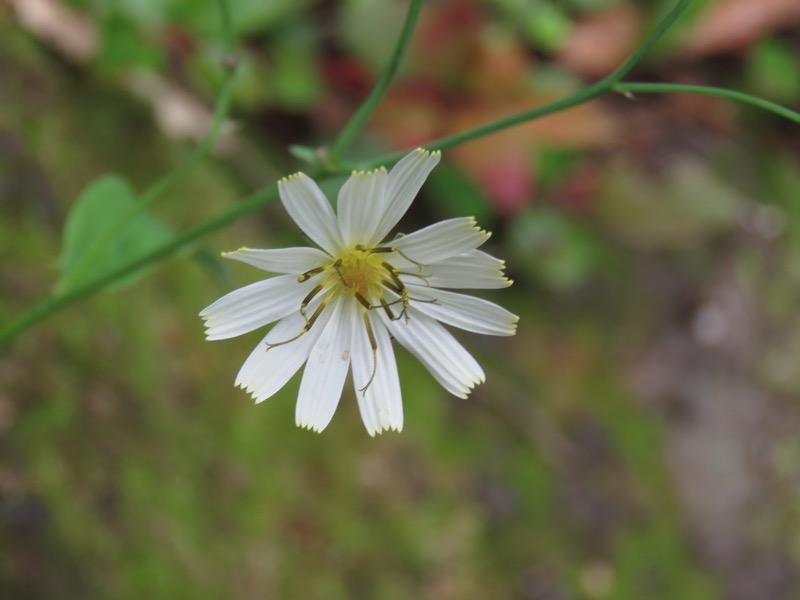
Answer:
(505, 282)
(302, 424)
(471, 387)
(473, 223)
(252, 392)
(426, 152)
(384, 429)
(290, 178)
(239, 382)
(364, 173)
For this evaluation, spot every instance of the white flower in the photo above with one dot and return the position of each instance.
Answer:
(337, 307)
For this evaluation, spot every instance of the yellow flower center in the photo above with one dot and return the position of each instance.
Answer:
(364, 274)
(360, 272)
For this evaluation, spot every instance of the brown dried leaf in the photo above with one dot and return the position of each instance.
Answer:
(602, 42)
(733, 25)
(71, 33)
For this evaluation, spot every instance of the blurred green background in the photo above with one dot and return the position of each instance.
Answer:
(638, 438)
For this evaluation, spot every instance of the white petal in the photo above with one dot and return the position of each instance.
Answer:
(281, 260)
(326, 369)
(472, 270)
(253, 306)
(267, 370)
(362, 203)
(441, 240)
(464, 311)
(312, 212)
(380, 404)
(447, 360)
(405, 181)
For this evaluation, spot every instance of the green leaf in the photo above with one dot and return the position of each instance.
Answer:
(304, 153)
(105, 230)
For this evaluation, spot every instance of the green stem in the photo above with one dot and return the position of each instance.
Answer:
(680, 88)
(579, 97)
(661, 29)
(359, 119)
(227, 26)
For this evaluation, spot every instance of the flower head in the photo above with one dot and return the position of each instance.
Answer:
(338, 306)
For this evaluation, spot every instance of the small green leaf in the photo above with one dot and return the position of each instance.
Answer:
(105, 230)
(304, 153)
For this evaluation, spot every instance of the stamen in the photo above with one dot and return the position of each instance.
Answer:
(374, 345)
(388, 310)
(363, 301)
(306, 328)
(309, 274)
(366, 304)
(308, 299)
(394, 274)
(430, 301)
(398, 287)
(363, 248)
(393, 286)
(424, 277)
(337, 265)
(382, 249)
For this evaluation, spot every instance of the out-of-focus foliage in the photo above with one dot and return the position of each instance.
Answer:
(636, 439)
(772, 71)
